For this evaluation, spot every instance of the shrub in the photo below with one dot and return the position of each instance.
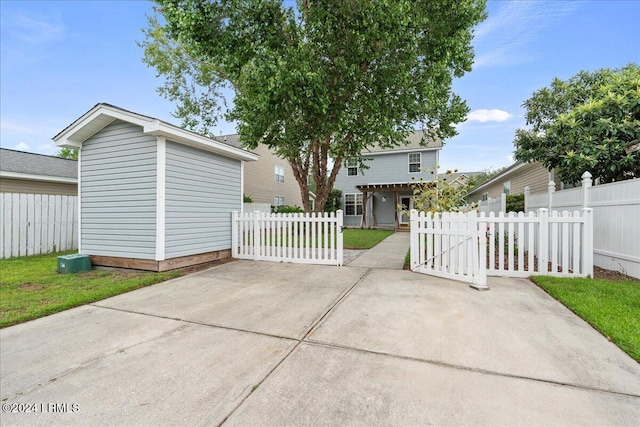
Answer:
(515, 203)
(286, 209)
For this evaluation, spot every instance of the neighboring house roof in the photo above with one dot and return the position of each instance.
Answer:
(38, 167)
(233, 139)
(416, 140)
(103, 114)
(509, 170)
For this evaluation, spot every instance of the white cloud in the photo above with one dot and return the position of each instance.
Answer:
(483, 115)
(21, 146)
(35, 31)
(504, 37)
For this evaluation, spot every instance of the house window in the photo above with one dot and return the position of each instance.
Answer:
(415, 162)
(279, 174)
(485, 196)
(353, 204)
(352, 167)
(278, 200)
(506, 188)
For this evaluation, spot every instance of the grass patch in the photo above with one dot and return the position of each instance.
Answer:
(407, 258)
(30, 287)
(612, 307)
(357, 238)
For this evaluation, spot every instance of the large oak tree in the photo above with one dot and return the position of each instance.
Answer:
(317, 83)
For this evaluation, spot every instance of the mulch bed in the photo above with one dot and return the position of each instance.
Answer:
(598, 273)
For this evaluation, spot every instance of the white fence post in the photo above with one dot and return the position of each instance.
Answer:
(586, 184)
(587, 242)
(543, 241)
(234, 234)
(552, 189)
(257, 243)
(503, 202)
(340, 236)
(413, 230)
(527, 193)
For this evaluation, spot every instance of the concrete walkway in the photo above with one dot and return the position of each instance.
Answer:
(388, 254)
(272, 344)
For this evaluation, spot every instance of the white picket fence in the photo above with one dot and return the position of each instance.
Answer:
(616, 218)
(35, 224)
(469, 247)
(297, 238)
(556, 244)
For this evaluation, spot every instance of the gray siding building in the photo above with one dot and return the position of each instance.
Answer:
(371, 195)
(153, 196)
(30, 173)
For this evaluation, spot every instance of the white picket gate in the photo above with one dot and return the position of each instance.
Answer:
(297, 238)
(469, 247)
(33, 224)
(446, 245)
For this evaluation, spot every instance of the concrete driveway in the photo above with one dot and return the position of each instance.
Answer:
(249, 343)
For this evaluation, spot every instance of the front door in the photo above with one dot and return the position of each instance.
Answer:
(405, 205)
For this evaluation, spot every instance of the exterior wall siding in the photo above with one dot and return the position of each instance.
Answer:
(259, 179)
(202, 189)
(118, 171)
(27, 186)
(384, 168)
(534, 175)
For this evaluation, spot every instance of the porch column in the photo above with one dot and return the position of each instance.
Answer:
(364, 210)
(395, 209)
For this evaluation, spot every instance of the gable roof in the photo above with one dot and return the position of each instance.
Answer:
(413, 143)
(22, 165)
(507, 171)
(103, 114)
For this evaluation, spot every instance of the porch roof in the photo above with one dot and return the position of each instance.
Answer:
(390, 187)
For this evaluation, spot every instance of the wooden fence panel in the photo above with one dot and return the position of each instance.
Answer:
(34, 224)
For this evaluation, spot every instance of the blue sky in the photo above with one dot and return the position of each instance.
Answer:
(60, 58)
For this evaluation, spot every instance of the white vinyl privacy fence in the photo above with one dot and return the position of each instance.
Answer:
(297, 237)
(469, 247)
(35, 224)
(616, 218)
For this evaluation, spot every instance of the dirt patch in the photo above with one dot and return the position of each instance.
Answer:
(601, 273)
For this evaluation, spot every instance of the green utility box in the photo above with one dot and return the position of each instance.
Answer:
(73, 263)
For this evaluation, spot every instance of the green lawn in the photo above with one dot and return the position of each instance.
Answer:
(612, 307)
(353, 238)
(356, 238)
(30, 287)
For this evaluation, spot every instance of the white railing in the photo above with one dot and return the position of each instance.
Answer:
(35, 224)
(469, 247)
(298, 238)
(521, 245)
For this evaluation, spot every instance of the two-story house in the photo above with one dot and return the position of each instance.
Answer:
(376, 196)
(270, 179)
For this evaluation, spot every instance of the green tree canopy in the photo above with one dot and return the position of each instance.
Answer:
(317, 83)
(68, 153)
(587, 123)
